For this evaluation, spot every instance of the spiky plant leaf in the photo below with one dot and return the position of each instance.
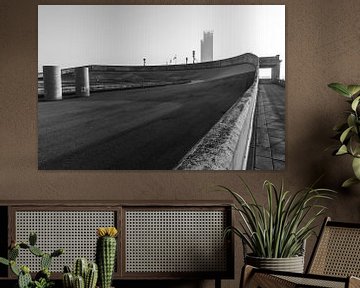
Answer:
(340, 88)
(280, 228)
(349, 182)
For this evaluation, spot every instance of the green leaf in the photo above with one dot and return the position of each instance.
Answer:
(354, 145)
(355, 103)
(356, 167)
(14, 268)
(345, 134)
(340, 88)
(349, 182)
(4, 261)
(342, 150)
(340, 127)
(351, 120)
(353, 89)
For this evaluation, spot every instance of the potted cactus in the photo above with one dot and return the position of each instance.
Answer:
(42, 278)
(84, 275)
(106, 254)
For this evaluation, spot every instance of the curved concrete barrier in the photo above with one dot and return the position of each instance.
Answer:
(226, 145)
(242, 59)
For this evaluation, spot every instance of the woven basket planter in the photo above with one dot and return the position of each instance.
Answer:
(291, 264)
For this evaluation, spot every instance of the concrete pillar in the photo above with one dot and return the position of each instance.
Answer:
(52, 83)
(82, 82)
(275, 72)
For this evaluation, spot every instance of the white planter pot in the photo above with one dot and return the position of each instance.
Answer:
(291, 264)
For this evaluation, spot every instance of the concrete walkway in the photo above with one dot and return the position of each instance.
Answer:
(267, 150)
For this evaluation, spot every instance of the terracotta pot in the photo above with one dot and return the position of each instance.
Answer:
(291, 264)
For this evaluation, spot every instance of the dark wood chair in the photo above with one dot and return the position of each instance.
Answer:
(335, 262)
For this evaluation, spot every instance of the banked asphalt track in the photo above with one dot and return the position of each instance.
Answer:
(142, 129)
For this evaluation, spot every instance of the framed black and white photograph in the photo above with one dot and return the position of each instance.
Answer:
(161, 87)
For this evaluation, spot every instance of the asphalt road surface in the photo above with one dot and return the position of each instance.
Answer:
(142, 129)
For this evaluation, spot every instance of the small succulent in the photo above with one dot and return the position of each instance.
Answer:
(348, 132)
(43, 283)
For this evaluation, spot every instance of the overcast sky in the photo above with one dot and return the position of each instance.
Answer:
(73, 35)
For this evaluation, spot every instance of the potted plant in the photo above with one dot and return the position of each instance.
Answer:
(42, 278)
(276, 233)
(348, 132)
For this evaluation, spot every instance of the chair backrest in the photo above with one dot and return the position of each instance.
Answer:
(337, 251)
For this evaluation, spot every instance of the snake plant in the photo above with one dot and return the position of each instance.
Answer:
(348, 132)
(279, 228)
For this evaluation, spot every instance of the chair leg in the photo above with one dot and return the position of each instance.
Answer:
(246, 274)
(354, 282)
(251, 279)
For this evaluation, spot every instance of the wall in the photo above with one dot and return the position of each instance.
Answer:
(322, 46)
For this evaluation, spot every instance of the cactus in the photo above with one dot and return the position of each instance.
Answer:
(90, 272)
(13, 253)
(67, 269)
(91, 276)
(24, 245)
(45, 261)
(57, 252)
(79, 282)
(42, 278)
(44, 273)
(68, 280)
(80, 268)
(105, 254)
(36, 251)
(14, 268)
(24, 280)
(32, 238)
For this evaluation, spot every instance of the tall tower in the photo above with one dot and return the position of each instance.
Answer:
(207, 46)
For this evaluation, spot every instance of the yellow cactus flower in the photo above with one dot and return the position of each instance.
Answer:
(106, 231)
(112, 231)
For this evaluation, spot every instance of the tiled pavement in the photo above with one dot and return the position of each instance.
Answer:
(267, 150)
